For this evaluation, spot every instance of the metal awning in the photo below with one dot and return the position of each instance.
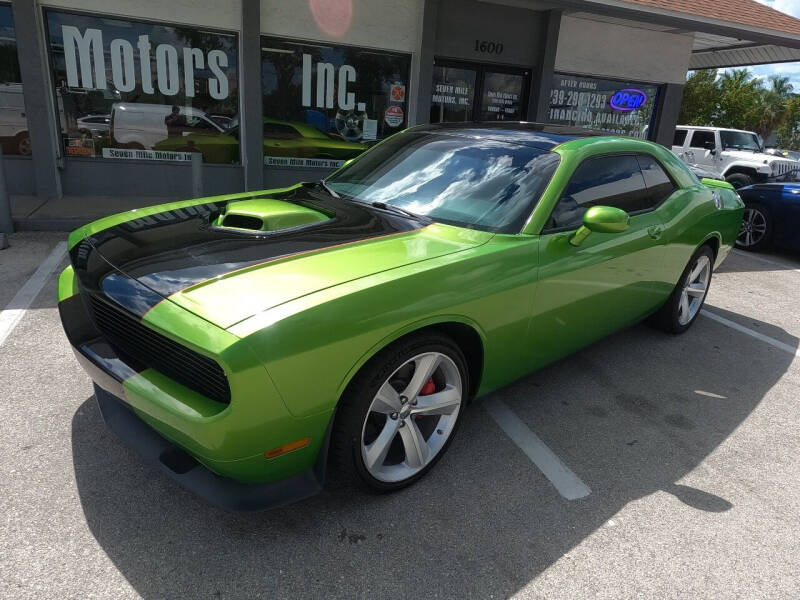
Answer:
(717, 51)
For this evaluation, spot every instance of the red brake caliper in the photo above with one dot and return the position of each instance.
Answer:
(427, 389)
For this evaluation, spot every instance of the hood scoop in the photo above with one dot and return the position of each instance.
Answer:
(266, 215)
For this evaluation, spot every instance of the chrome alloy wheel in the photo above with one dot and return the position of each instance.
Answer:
(695, 289)
(753, 229)
(411, 417)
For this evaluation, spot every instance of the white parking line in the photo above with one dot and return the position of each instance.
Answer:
(13, 313)
(765, 260)
(759, 336)
(563, 479)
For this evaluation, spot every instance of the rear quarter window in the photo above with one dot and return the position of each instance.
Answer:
(659, 184)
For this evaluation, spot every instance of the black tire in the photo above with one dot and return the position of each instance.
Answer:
(739, 180)
(667, 318)
(756, 216)
(352, 413)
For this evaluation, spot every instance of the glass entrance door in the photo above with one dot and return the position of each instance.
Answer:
(501, 97)
(478, 92)
(453, 98)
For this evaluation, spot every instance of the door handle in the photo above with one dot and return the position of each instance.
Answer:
(654, 231)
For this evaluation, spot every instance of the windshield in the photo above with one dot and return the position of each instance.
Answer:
(476, 183)
(740, 140)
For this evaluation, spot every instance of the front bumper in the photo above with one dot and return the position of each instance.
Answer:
(219, 448)
(188, 473)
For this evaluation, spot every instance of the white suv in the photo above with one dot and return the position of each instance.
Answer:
(734, 153)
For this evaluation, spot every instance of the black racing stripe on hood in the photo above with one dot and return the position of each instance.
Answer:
(140, 262)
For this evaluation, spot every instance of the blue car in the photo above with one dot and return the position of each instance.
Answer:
(771, 216)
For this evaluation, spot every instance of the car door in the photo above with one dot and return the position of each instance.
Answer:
(608, 281)
(697, 153)
(679, 142)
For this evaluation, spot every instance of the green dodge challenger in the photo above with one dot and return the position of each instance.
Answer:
(245, 342)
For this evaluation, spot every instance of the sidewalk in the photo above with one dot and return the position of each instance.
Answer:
(31, 213)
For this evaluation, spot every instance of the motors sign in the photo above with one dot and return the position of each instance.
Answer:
(87, 56)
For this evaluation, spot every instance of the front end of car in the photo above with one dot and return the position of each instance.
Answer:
(783, 168)
(194, 321)
(187, 394)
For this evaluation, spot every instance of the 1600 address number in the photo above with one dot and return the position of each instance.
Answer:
(488, 47)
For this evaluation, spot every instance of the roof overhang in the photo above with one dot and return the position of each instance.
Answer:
(715, 51)
(717, 43)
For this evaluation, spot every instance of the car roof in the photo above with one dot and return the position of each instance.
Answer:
(706, 128)
(543, 136)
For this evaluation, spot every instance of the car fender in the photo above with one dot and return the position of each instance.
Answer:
(759, 168)
(401, 332)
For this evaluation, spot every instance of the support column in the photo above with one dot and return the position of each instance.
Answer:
(419, 106)
(667, 111)
(37, 90)
(251, 124)
(542, 78)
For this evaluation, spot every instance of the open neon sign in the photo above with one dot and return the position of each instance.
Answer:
(628, 99)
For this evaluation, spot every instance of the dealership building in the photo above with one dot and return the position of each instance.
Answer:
(112, 98)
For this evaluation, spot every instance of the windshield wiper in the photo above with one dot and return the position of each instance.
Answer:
(397, 209)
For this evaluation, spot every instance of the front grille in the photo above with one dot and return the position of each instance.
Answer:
(781, 167)
(147, 348)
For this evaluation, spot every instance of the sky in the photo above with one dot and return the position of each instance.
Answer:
(790, 70)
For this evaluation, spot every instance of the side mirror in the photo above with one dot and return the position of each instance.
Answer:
(601, 219)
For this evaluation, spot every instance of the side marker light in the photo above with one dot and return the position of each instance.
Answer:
(290, 447)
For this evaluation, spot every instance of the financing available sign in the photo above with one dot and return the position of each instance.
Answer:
(602, 104)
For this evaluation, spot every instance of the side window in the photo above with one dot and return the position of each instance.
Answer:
(606, 181)
(659, 185)
(701, 138)
(680, 137)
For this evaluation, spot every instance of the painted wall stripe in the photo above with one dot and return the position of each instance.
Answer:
(13, 313)
(563, 479)
(759, 336)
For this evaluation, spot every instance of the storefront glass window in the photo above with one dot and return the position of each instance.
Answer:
(502, 97)
(626, 108)
(324, 103)
(453, 94)
(135, 90)
(14, 136)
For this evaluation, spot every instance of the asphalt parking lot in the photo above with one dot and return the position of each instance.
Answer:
(687, 446)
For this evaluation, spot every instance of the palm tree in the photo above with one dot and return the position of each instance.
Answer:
(740, 96)
(780, 86)
(771, 109)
